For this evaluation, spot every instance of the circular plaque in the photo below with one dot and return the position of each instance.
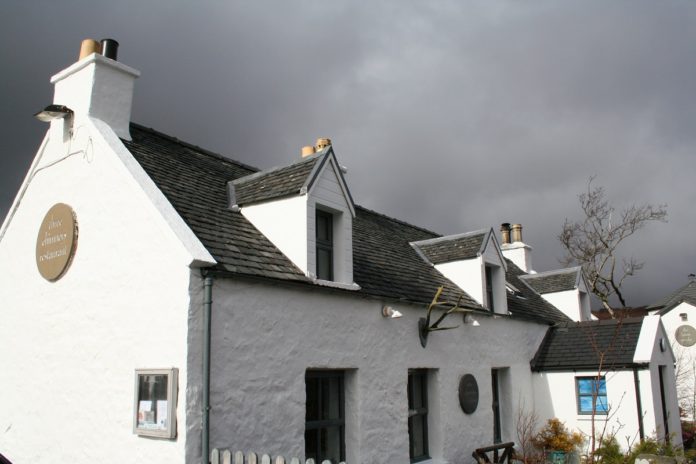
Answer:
(468, 393)
(685, 335)
(56, 242)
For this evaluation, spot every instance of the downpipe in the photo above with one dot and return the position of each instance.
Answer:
(207, 311)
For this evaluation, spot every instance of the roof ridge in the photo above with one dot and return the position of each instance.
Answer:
(398, 221)
(446, 238)
(264, 172)
(194, 147)
(565, 270)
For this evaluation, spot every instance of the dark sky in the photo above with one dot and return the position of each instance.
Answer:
(451, 115)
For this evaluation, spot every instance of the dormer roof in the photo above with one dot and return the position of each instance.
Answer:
(285, 181)
(524, 301)
(272, 184)
(558, 280)
(458, 247)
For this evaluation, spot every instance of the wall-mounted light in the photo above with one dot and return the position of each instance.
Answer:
(52, 112)
(469, 319)
(388, 311)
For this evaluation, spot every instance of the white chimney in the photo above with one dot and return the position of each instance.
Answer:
(514, 248)
(99, 87)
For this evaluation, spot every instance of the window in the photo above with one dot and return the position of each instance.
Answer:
(418, 414)
(325, 417)
(489, 287)
(324, 241)
(155, 402)
(592, 395)
(684, 317)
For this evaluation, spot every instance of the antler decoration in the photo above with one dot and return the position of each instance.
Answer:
(424, 326)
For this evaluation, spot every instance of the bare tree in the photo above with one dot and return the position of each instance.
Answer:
(526, 427)
(593, 242)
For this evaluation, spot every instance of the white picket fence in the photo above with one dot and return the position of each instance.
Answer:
(227, 457)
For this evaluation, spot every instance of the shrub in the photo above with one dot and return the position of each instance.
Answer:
(555, 436)
(609, 452)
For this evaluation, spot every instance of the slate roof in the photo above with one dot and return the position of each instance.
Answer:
(525, 302)
(687, 294)
(578, 346)
(195, 181)
(554, 281)
(453, 248)
(276, 183)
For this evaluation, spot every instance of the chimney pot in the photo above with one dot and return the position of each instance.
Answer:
(516, 233)
(109, 48)
(88, 47)
(322, 143)
(307, 150)
(505, 233)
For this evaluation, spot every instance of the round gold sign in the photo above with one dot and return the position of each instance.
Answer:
(685, 335)
(56, 242)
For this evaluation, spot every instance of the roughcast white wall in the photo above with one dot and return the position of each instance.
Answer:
(70, 347)
(266, 336)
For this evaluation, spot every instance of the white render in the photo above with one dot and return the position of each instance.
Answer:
(574, 303)
(76, 342)
(519, 253)
(266, 337)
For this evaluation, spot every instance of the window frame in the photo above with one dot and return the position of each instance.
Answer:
(595, 395)
(420, 375)
(169, 431)
(324, 245)
(324, 424)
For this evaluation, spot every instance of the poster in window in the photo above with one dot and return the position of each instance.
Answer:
(155, 402)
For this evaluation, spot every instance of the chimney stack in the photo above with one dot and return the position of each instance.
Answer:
(514, 248)
(505, 233)
(97, 86)
(307, 150)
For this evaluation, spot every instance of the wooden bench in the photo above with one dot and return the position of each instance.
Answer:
(481, 454)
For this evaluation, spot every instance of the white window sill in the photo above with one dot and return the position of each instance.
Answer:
(330, 283)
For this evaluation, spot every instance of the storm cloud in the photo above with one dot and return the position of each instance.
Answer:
(451, 115)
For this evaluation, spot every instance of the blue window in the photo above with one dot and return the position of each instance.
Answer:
(592, 395)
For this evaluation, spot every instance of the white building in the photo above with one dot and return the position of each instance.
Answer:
(160, 300)
(678, 313)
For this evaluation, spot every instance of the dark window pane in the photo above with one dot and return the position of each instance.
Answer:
(417, 436)
(418, 415)
(312, 399)
(331, 444)
(324, 428)
(324, 263)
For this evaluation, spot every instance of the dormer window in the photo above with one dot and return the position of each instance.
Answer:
(306, 211)
(324, 245)
(472, 261)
